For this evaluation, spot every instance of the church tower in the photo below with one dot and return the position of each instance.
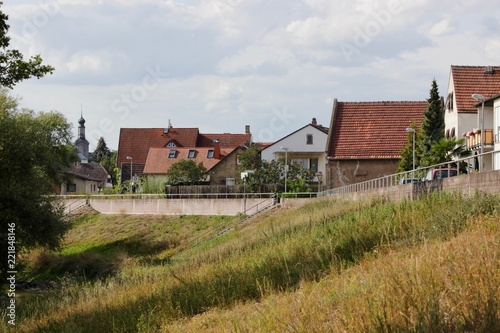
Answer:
(82, 145)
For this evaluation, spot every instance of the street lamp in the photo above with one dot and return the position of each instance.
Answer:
(131, 172)
(411, 130)
(286, 163)
(319, 175)
(482, 98)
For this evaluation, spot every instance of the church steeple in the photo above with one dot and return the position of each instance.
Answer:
(82, 145)
(81, 128)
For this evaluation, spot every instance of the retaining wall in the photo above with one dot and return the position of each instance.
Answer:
(179, 206)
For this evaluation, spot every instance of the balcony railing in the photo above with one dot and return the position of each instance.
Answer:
(473, 139)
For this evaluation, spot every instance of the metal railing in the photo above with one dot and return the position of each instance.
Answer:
(471, 165)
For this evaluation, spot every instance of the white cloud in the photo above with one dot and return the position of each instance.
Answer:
(237, 62)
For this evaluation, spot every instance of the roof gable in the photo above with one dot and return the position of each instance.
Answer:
(468, 80)
(367, 130)
(317, 128)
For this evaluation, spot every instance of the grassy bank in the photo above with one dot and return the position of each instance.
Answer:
(328, 266)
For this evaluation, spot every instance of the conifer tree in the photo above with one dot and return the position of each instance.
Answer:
(432, 125)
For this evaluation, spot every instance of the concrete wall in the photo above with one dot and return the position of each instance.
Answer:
(488, 181)
(179, 206)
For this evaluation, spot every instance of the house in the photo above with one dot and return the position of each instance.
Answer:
(305, 146)
(365, 139)
(151, 151)
(463, 117)
(86, 176)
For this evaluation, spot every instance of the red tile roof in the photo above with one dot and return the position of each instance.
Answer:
(136, 142)
(368, 130)
(468, 80)
(158, 161)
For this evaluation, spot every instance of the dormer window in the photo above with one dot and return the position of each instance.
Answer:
(309, 139)
(191, 153)
(170, 144)
(210, 153)
(171, 153)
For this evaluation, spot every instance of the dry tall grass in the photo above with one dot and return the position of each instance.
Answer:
(430, 265)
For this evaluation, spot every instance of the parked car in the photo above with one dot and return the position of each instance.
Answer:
(441, 173)
(409, 180)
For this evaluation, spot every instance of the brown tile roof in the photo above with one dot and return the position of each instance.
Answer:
(225, 140)
(263, 145)
(473, 79)
(367, 130)
(90, 171)
(136, 142)
(158, 161)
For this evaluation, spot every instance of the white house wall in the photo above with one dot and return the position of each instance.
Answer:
(496, 132)
(298, 147)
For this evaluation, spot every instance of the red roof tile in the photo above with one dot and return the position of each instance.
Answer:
(468, 80)
(366, 130)
(135, 142)
(158, 161)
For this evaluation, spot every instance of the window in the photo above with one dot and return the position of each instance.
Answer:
(71, 187)
(171, 154)
(238, 161)
(309, 139)
(170, 144)
(210, 153)
(191, 153)
(313, 165)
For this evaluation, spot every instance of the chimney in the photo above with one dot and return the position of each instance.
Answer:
(247, 129)
(216, 149)
(314, 122)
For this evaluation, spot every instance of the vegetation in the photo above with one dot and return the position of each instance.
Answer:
(431, 147)
(35, 153)
(13, 69)
(432, 125)
(186, 172)
(102, 154)
(332, 265)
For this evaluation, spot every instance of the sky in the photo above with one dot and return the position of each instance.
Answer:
(219, 65)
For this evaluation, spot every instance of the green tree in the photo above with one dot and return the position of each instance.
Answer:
(250, 158)
(186, 172)
(273, 173)
(13, 69)
(35, 152)
(433, 123)
(448, 150)
(101, 151)
(107, 158)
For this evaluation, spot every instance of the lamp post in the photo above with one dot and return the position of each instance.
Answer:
(319, 175)
(131, 172)
(482, 98)
(286, 163)
(411, 130)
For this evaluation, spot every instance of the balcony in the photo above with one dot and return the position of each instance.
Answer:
(473, 139)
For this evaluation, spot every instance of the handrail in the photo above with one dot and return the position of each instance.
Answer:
(220, 228)
(393, 179)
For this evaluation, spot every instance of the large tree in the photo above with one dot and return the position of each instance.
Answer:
(13, 68)
(35, 152)
(433, 124)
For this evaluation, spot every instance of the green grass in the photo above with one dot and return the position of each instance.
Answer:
(428, 265)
